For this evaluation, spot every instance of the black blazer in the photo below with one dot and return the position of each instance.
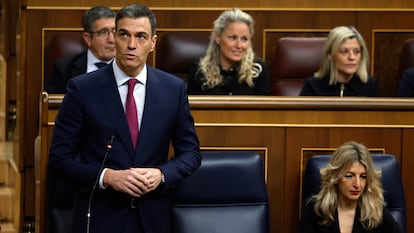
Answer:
(309, 223)
(230, 84)
(406, 88)
(65, 69)
(320, 87)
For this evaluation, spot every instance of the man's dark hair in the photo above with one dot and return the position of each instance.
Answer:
(135, 11)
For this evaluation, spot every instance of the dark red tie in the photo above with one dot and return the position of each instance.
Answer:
(131, 112)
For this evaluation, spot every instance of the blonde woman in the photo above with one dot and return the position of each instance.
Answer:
(344, 67)
(351, 196)
(229, 66)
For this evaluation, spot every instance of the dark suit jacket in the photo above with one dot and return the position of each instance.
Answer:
(309, 223)
(65, 69)
(91, 113)
(406, 88)
(320, 87)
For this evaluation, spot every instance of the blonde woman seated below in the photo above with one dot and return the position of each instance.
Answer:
(351, 197)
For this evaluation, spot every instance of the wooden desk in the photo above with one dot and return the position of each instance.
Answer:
(286, 131)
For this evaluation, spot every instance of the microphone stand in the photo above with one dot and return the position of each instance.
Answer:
(88, 215)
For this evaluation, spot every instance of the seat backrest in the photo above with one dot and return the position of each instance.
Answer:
(62, 44)
(296, 58)
(391, 181)
(178, 51)
(226, 194)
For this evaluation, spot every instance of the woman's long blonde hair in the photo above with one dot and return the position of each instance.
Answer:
(210, 63)
(371, 201)
(336, 38)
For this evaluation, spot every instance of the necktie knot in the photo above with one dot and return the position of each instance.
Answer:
(131, 84)
(101, 64)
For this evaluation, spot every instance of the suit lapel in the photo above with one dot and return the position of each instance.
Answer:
(152, 101)
(112, 101)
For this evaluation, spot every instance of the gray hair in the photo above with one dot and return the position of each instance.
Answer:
(95, 13)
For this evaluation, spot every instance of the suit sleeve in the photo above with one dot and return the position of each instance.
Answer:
(185, 142)
(66, 141)
(406, 88)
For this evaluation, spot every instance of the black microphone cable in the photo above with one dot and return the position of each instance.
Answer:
(88, 215)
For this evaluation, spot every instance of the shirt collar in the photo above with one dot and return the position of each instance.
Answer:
(121, 78)
(91, 59)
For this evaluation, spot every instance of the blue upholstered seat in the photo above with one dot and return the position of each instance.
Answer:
(226, 194)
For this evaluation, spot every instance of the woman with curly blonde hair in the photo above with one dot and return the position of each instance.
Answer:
(351, 196)
(229, 66)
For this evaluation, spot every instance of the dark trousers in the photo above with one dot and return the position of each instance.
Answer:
(134, 222)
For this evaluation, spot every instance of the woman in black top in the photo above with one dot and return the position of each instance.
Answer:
(344, 68)
(351, 197)
(229, 66)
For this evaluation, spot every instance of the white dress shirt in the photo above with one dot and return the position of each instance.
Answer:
(139, 95)
(91, 60)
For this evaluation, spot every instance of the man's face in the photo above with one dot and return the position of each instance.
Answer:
(133, 42)
(101, 40)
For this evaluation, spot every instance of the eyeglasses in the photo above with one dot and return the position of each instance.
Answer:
(104, 32)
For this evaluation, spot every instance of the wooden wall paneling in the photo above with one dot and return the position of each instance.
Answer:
(304, 140)
(407, 165)
(386, 47)
(300, 4)
(187, 18)
(385, 32)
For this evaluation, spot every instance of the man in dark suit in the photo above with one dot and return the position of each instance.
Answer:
(98, 26)
(93, 145)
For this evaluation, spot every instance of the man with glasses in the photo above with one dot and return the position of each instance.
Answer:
(99, 26)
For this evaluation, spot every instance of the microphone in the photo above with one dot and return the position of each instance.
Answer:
(108, 149)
